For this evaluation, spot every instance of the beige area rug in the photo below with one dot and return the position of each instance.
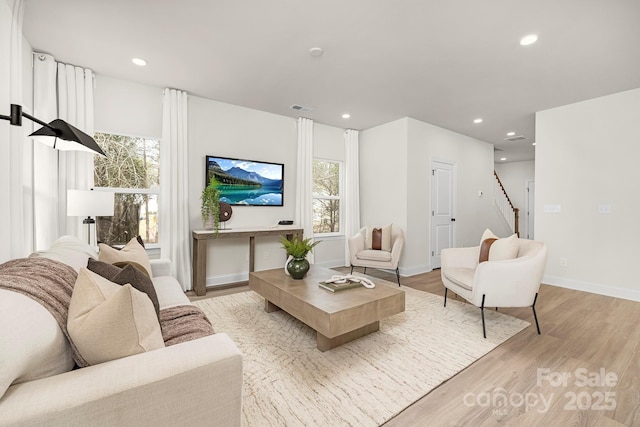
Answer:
(288, 382)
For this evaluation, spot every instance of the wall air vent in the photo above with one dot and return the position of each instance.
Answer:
(300, 108)
(515, 138)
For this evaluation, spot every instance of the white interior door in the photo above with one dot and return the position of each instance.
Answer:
(442, 209)
(531, 189)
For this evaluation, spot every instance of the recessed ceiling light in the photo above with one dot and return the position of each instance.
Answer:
(533, 143)
(346, 115)
(477, 121)
(316, 51)
(529, 39)
(503, 158)
(139, 62)
(510, 133)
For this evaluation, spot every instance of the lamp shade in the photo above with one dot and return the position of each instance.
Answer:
(62, 136)
(89, 203)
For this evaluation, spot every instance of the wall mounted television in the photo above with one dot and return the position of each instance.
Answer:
(245, 182)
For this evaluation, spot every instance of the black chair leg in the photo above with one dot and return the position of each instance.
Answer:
(533, 307)
(445, 296)
(365, 271)
(352, 269)
(484, 331)
(398, 275)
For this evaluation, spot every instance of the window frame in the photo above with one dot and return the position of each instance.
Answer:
(339, 198)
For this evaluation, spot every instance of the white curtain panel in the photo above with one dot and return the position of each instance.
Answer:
(75, 106)
(304, 187)
(12, 138)
(352, 189)
(175, 236)
(45, 158)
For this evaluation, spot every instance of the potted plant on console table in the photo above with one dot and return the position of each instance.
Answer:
(297, 264)
(210, 208)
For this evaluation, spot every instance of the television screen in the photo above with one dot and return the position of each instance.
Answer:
(246, 182)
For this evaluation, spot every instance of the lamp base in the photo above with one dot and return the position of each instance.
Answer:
(88, 220)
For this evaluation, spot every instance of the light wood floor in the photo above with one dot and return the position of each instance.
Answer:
(582, 335)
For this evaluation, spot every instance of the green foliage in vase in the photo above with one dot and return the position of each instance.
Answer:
(297, 248)
(211, 203)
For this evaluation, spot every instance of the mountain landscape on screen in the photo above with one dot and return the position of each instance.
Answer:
(242, 182)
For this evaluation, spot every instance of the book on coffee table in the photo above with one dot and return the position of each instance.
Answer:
(337, 287)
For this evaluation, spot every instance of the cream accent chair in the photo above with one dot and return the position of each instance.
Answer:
(505, 283)
(363, 257)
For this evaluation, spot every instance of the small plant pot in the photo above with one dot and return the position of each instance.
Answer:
(298, 267)
(209, 223)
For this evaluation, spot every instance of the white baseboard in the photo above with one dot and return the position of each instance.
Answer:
(226, 279)
(412, 271)
(594, 288)
(330, 264)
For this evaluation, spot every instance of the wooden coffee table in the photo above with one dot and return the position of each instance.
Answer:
(337, 317)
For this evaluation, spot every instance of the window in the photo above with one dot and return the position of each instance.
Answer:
(327, 190)
(131, 171)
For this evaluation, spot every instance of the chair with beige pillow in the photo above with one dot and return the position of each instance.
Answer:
(377, 247)
(499, 273)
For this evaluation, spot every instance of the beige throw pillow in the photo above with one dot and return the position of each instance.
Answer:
(108, 321)
(132, 253)
(487, 234)
(506, 248)
(378, 238)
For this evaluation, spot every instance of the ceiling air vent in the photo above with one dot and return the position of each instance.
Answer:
(515, 138)
(497, 149)
(300, 108)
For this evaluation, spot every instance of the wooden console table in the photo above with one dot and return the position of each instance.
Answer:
(200, 238)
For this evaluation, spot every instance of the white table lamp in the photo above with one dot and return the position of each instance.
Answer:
(89, 203)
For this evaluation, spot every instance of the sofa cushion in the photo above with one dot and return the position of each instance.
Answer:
(32, 345)
(128, 274)
(132, 253)
(378, 238)
(108, 321)
(374, 255)
(69, 250)
(461, 276)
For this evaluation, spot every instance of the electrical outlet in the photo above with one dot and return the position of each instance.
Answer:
(564, 262)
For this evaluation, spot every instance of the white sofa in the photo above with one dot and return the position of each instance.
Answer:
(197, 382)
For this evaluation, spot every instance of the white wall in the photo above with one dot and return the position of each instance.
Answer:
(395, 165)
(220, 129)
(473, 160)
(226, 130)
(514, 177)
(586, 157)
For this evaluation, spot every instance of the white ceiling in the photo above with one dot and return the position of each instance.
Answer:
(441, 62)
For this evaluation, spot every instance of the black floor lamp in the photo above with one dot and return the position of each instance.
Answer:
(65, 136)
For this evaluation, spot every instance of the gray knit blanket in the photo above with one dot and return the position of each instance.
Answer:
(47, 282)
(50, 283)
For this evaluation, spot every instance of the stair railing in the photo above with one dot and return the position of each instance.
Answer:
(504, 205)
